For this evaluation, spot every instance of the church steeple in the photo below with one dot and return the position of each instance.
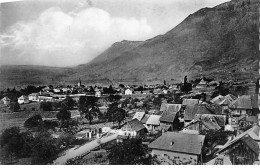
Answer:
(79, 83)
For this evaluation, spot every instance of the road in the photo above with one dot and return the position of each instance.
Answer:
(75, 152)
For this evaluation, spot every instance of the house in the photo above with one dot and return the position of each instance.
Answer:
(133, 128)
(139, 116)
(98, 93)
(6, 100)
(169, 119)
(207, 122)
(34, 97)
(202, 84)
(191, 111)
(244, 148)
(128, 92)
(224, 101)
(189, 102)
(220, 160)
(180, 148)
(23, 99)
(153, 123)
(246, 104)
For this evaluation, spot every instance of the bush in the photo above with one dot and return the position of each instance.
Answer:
(34, 121)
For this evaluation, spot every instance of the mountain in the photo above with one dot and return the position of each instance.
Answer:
(220, 42)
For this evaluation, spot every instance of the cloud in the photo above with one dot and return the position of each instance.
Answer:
(57, 38)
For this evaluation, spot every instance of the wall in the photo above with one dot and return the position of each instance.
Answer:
(179, 158)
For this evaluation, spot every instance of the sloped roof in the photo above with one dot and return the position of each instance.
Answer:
(23, 97)
(134, 125)
(217, 99)
(168, 117)
(231, 97)
(163, 106)
(245, 102)
(225, 102)
(187, 102)
(214, 108)
(253, 119)
(170, 112)
(220, 120)
(192, 110)
(153, 120)
(179, 142)
(139, 115)
(253, 133)
(5, 99)
(145, 118)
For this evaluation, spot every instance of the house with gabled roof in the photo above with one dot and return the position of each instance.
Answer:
(133, 128)
(244, 148)
(6, 100)
(169, 119)
(207, 122)
(153, 123)
(139, 116)
(178, 147)
(23, 99)
(246, 104)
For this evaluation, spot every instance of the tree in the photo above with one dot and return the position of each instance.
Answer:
(46, 106)
(164, 82)
(70, 103)
(34, 122)
(14, 142)
(128, 152)
(63, 115)
(14, 106)
(45, 149)
(88, 107)
(116, 114)
(114, 98)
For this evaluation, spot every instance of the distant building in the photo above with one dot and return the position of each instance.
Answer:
(23, 99)
(6, 100)
(202, 84)
(34, 97)
(133, 128)
(98, 93)
(128, 92)
(178, 147)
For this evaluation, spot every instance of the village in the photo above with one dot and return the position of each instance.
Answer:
(194, 122)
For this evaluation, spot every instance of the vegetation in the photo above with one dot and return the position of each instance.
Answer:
(14, 106)
(89, 108)
(63, 115)
(46, 106)
(115, 113)
(128, 152)
(34, 122)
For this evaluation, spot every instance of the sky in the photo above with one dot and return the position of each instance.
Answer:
(72, 32)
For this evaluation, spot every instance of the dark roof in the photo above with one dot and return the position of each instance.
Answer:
(145, 118)
(192, 110)
(179, 142)
(253, 133)
(168, 117)
(170, 112)
(220, 120)
(134, 125)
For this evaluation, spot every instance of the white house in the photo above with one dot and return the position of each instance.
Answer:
(128, 92)
(6, 100)
(98, 93)
(23, 99)
(34, 97)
